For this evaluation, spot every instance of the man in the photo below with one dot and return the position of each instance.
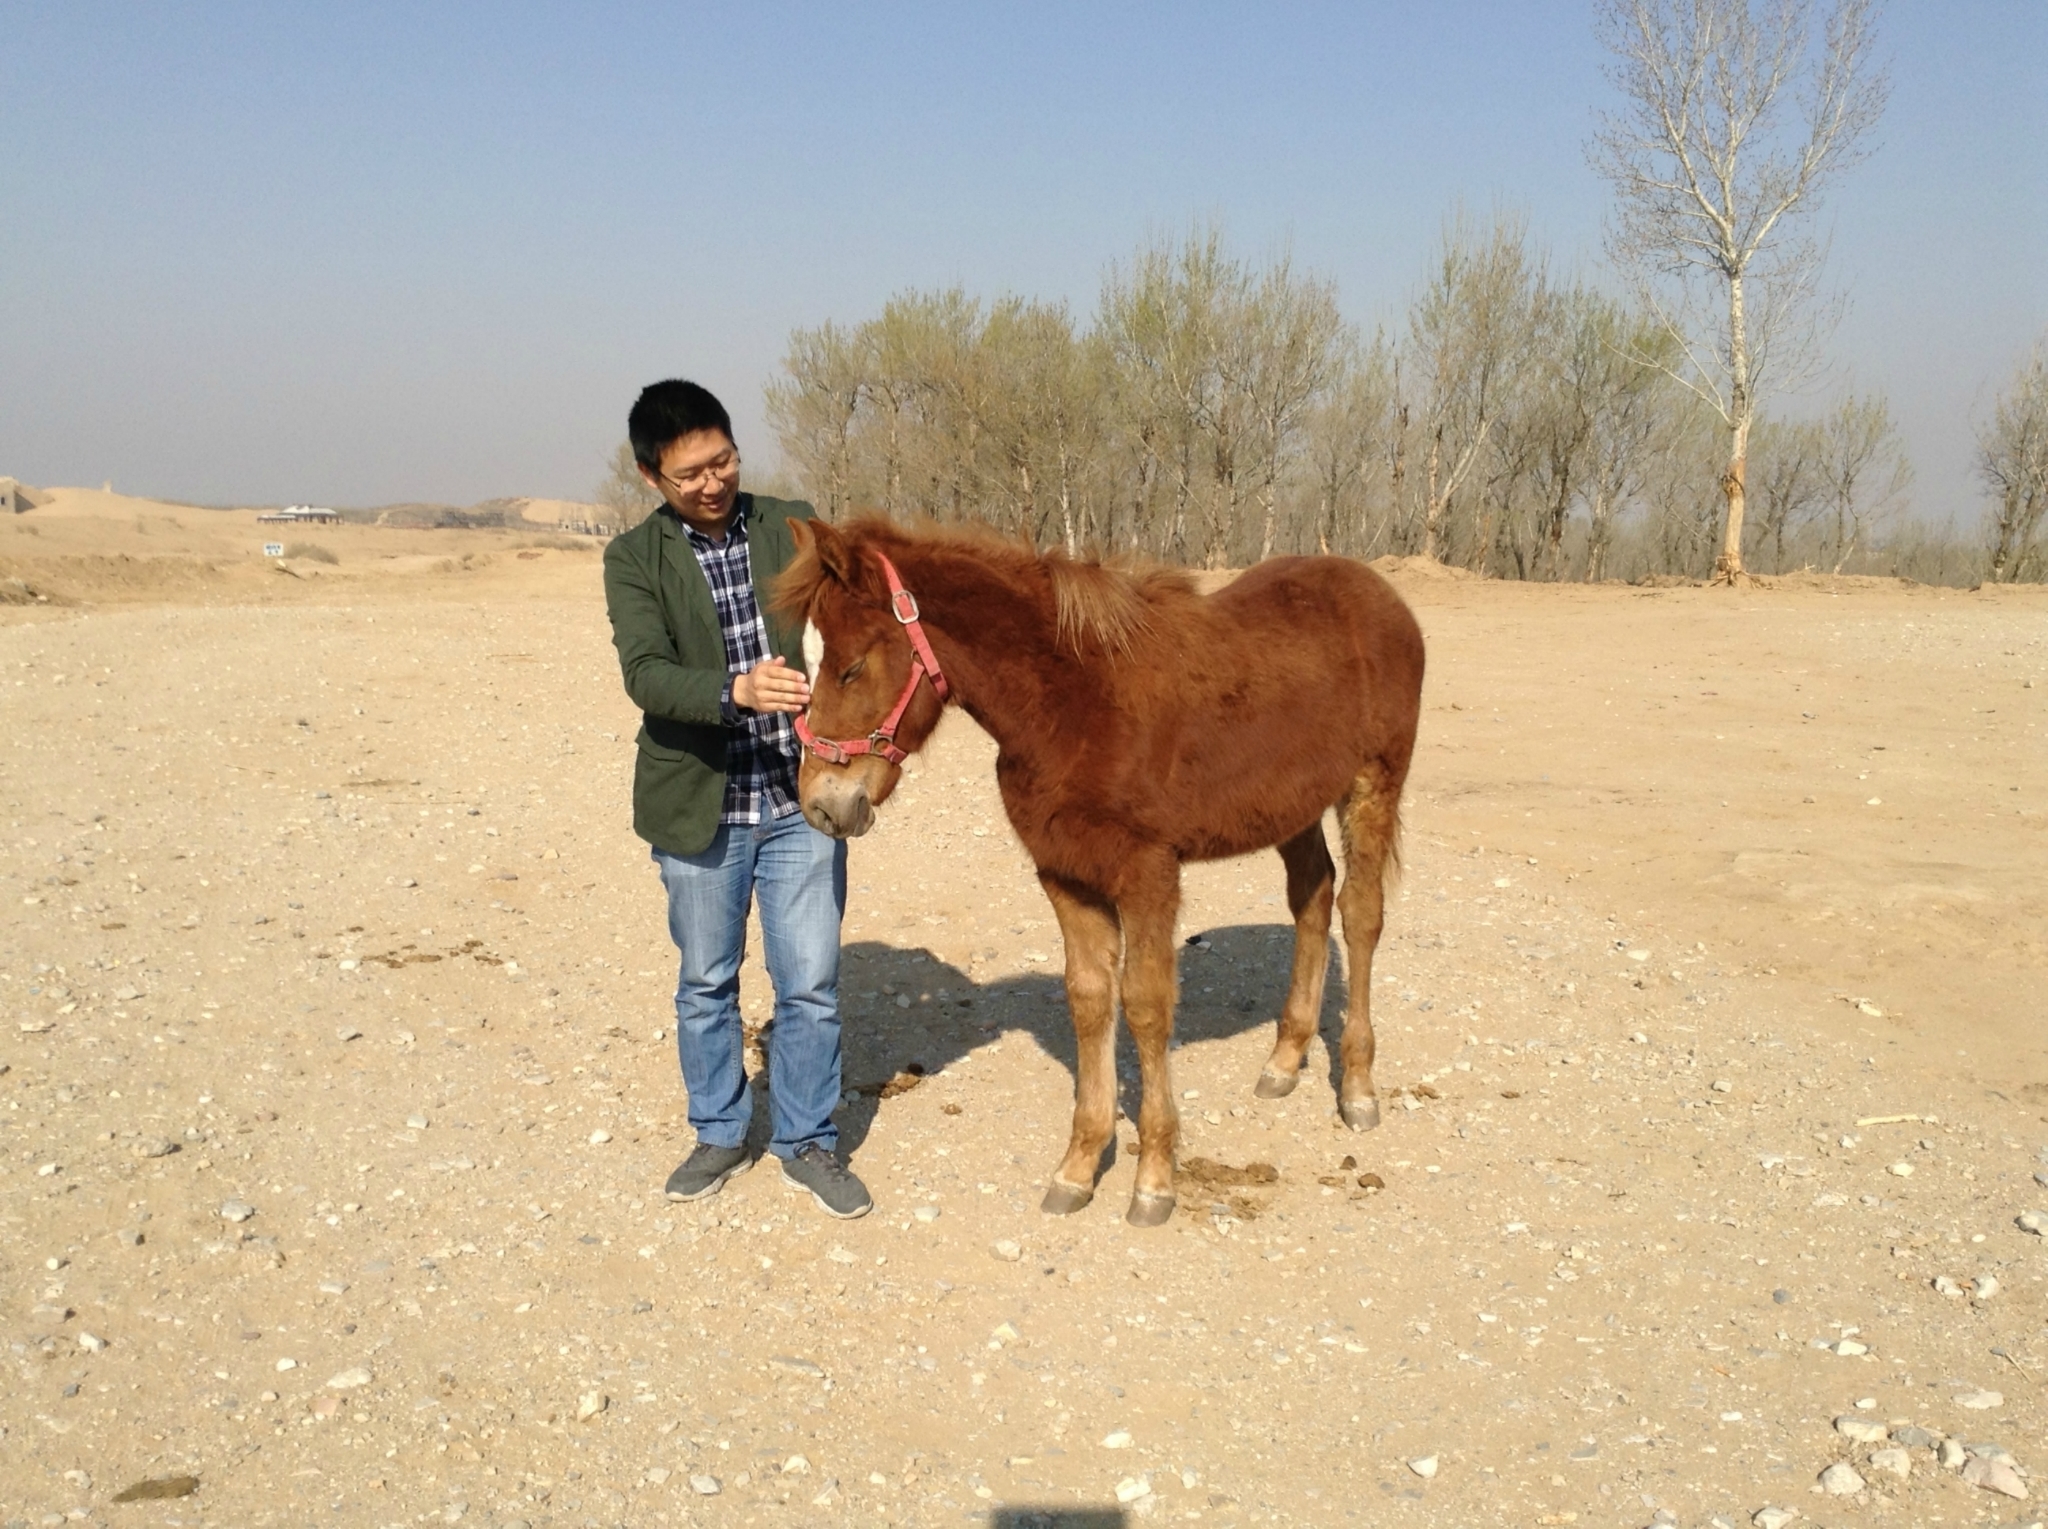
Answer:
(714, 793)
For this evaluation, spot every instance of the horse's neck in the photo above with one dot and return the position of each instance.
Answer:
(1001, 684)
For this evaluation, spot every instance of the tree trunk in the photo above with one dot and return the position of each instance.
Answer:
(1728, 568)
(1431, 509)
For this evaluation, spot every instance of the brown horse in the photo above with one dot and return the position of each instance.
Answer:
(1138, 724)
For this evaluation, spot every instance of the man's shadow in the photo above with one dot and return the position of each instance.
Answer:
(907, 1014)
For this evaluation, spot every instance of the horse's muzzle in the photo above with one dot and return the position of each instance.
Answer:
(839, 808)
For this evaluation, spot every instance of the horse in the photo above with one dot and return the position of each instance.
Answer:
(1139, 724)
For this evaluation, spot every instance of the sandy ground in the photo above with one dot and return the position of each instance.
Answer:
(337, 1089)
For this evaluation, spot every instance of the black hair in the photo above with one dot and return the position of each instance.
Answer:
(667, 411)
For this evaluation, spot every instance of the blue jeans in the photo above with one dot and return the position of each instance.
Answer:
(799, 875)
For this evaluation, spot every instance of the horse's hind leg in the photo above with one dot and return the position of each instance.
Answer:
(1088, 926)
(1370, 818)
(1311, 879)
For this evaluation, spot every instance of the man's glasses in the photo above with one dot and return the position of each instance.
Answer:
(718, 467)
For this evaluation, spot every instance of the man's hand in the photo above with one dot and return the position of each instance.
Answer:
(772, 685)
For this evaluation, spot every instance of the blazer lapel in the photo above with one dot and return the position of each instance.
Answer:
(698, 632)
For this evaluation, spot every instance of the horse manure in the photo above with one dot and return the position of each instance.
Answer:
(1511, 1093)
(1331, 1180)
(1214, 1175)
(1424, 1091)
(1348, 1164)
(900, 1083)
(952, 1109)
(1371, 1181)
(158, 1488)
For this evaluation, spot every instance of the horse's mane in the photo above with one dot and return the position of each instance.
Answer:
(1104, 606)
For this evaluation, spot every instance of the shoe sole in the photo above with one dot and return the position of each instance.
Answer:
(842, 1215)
(715, 1185)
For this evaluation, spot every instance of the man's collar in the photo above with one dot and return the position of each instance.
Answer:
(735, 528)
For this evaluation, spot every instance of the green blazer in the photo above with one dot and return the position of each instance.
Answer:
(672, 656)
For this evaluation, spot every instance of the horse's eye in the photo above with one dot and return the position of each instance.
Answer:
(853, 670)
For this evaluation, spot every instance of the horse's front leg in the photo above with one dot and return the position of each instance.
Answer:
(1150, 983)
(1088, 926)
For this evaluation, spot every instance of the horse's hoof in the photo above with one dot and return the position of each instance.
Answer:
(1360, 1114)
(1064, 1199)
(1276, 1085)
(1150, 1210)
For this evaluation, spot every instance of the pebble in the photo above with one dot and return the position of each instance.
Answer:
(1007, 1251)
(92, 1343)
(1943, 1285)
(1981, 1401)
(840, 1255)
(1984, 1286)
(1773, 1518)
(1895, 1461)
(1861, 1430)
(1131, 1488)
(657, 1475)
(592, 1403)
(130, 1236)
(796, 1465)
(705, 1486)
(1118, 1440)
(1425, 1467)
(1841, 1480)
(287, 1364)
(927, 1213)
(155, 1146)
(1849, 1348)
(826, 1493)
(1951, 1454)
(348, 1033)
(350, 1379)
(1995, 1476)
(796, 1365)
(599, 1138)
(1915, 1438)
(2034, 1221)
(1901, 1170)
(415, 1122)
(236, 1210)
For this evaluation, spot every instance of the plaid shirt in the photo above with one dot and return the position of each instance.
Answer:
(760, 751)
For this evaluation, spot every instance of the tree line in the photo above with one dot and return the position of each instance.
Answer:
(1515, 421)
(1214, 412)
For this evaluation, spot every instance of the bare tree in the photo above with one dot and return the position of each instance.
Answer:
(1470, 335)
(1349, 433)
(2012, 459)
(812, 409)
(1785, 476)
(1712, 183)
(1865, 474)
(1288, 351)
(623, 497)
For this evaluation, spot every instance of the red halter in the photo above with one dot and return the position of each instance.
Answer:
(924, 664)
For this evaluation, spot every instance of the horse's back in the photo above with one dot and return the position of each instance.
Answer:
(1364, 629)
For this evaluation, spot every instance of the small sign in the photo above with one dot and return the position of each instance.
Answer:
(273, 549)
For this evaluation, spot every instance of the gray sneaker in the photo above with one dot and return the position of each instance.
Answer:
(830, 1182)
(704, 1172)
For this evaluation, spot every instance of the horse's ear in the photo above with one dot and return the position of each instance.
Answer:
(835, 557)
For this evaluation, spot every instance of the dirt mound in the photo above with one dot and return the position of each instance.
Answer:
(1424, 569)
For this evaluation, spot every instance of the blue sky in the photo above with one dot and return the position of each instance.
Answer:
(257, 253)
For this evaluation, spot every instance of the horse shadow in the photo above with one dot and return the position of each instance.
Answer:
(909, 1014)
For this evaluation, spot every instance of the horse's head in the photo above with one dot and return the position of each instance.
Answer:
(871, 704)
